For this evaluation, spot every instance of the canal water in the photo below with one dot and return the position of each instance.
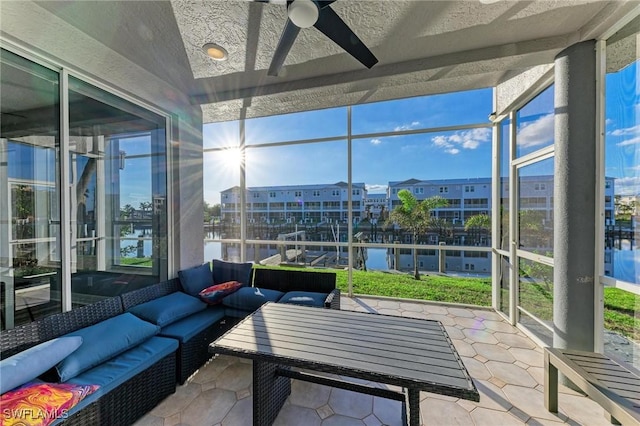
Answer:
(626, 263)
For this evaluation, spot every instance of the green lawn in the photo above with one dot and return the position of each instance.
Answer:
(472, 291)
(621, 308)
(135, 261)
(438, 288)
(621, 314)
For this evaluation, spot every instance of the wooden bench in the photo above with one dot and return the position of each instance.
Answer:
(614, 387)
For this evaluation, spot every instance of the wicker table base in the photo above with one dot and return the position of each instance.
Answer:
(270, 391)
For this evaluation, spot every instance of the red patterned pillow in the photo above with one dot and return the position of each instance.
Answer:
(214, 294)
(41, 403)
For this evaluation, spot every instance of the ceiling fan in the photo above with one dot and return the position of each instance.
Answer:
(317, 13)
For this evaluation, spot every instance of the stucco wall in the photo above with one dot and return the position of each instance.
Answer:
(511, 91)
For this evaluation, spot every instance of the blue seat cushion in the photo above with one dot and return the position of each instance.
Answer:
(117, 370)
(251, 298)
(168, 309)
(231, 271)
(103, 341)
(185, 329)
(195, 279)
(306, 298)
(30, 363)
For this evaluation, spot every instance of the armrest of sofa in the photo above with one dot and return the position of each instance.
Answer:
(333, 300)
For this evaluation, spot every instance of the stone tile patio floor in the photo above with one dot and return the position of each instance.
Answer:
(505, 365)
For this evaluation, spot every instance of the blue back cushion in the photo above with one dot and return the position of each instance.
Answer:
(103, 341)
(231, 271)
(168, 309)
(30, 363)
(195, 279)
(251, 298)
(305, 298)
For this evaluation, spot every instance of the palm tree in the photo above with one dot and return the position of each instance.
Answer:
(479, 222)
(414, 216)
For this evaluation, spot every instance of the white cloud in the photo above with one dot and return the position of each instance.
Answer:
(627, 185)
(376, 188)
(410, 126)
(376, 141)
(628, 142)
(626, 131)
(467, 139)
(608, 122)
(470, 144)
(539, 132)
(441, 141)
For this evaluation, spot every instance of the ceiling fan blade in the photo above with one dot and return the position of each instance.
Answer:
(331, 25)
(324, 3)
(287, 38)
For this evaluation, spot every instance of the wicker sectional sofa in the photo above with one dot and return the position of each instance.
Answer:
(193, 333)
(196, 331)
(134, 380)
(131, 382)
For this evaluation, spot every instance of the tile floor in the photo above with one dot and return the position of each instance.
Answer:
(506, 366)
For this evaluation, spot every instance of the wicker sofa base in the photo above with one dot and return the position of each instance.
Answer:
(131, 400)
(194, 354)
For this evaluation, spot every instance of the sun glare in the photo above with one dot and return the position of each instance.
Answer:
(231, 157)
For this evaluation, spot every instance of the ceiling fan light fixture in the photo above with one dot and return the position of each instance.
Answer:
(303, 13)
(216, 52)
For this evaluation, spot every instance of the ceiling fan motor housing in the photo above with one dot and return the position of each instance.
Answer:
(303, 13)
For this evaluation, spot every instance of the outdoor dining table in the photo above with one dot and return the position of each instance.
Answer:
(289, 341)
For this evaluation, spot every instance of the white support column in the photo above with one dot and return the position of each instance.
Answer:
(243, 192)
(100, 212)
(601, 72)
(495, 216)
(65, 194)
(514, 275)
(73, 213)
(349, 199)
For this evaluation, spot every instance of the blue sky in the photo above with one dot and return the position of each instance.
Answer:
(622, 150)
(439, 155)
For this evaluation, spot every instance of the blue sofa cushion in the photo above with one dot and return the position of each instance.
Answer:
(306, 298)
(251, 298)
(103, 341)
(30, 363)
(114, 372)
(231, 271)
(193, 280)
(185, 329)
(168, 309)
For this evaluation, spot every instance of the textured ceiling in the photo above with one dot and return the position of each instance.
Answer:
(423, 47)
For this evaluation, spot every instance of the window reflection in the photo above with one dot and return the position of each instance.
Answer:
(118, 163)
(622, 197)
(536, 124)
(30, 192)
